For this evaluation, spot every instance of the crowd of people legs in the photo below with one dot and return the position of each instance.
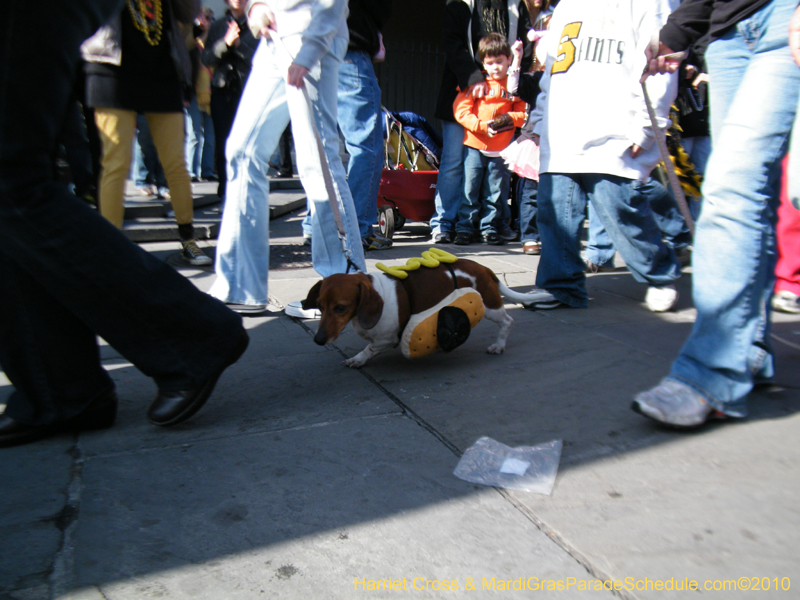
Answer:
(190, 98)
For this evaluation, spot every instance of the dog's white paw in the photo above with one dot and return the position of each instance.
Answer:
(355, 362)
(496, 349)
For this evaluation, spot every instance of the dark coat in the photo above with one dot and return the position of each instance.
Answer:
(231, 65)
(366, 19)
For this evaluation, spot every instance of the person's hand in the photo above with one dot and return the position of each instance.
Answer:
(702, 78)
(479, 90)
(661, 59)
(636, 150)
(261, 21)
(296, 75)
(516, 52)
(794, 36)
(232, 35)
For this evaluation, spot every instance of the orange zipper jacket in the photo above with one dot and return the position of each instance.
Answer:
(475, 114)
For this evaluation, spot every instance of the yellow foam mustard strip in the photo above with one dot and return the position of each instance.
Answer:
(430, 258)
(419, 337)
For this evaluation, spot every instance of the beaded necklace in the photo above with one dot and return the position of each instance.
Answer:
(147, 19)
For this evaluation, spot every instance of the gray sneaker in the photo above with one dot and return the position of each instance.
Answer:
(376, 242)
(674, 403)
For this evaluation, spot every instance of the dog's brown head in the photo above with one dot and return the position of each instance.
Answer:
(341, 298)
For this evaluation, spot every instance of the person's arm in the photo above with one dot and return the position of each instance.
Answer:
(458, 54)
(528, 88)
(463, 110)
(260, 18)
(215, 43)
(518, 113)
(326, 18)
(687, 24)
(512, 83)
(661, 89)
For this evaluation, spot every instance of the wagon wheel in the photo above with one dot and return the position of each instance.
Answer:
(399, 220)
(386, 221)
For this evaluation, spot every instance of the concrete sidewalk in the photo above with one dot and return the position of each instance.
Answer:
(304, 479)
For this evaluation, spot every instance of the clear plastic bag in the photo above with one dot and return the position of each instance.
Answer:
(526, 468)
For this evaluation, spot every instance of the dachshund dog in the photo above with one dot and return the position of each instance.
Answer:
(380, 306)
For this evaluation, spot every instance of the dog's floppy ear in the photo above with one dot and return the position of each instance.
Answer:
(311, 300)
(370, 304)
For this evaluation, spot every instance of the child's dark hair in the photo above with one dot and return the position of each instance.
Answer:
(493, 44)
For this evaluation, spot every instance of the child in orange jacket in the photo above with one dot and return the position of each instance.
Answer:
(489, 123)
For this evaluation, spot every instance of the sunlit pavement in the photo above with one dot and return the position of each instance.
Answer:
(302, 478)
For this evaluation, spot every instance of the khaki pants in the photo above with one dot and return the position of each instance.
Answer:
(117, 130)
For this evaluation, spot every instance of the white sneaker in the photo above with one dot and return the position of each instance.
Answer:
(674, 403)
(295, 309)
(786, 301)
(661, 299)
(541, 300)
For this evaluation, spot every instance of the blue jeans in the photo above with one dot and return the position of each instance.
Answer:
(527, 192)
(207, 159)
(754, 99)
(624, 211)
(486, 181)
(360, 121)
(600, 249)
(199, 134)
(265, 108)
(147, 167)
(450, 181)
(67, 275)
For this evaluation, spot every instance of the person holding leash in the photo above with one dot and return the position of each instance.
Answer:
(753, 106)
(304, 42)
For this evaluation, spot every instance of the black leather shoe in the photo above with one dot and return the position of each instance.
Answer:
(171, 408)
(491, 238)
(100, 414)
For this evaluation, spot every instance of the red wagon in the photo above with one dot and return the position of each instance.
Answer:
(408, 181)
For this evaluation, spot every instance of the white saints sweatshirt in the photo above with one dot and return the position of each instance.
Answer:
(591, 108)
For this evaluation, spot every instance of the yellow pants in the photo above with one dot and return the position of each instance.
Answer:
(117, 130)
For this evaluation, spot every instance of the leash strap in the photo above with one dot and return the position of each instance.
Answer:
(453, 273)
(661, 140)
(333, 197)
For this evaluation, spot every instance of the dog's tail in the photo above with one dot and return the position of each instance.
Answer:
(524, 299)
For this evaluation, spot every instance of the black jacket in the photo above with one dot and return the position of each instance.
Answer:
(461, 70)
(366, 19)
(694, 18)
(231, 65)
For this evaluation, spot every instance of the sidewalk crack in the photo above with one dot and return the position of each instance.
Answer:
(66, 520)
